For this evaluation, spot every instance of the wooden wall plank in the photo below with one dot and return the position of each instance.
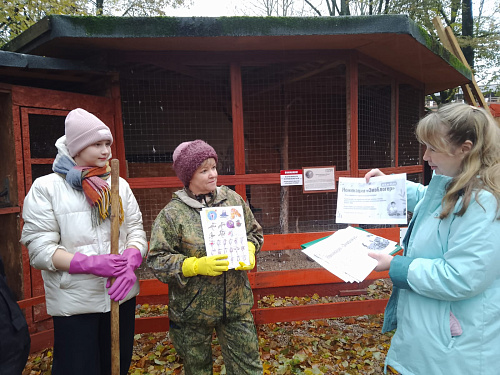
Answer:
(294, 240)
(51, 99)
(119, 140)
(254, 179)
(152, 324)
(352, 84)
(9, 210)
(319, 311)
(237, 114)
(42, 340)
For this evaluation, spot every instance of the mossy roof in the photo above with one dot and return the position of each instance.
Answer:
(393, 40)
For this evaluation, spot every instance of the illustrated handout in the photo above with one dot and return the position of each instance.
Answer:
(345, 253)
(225, 233)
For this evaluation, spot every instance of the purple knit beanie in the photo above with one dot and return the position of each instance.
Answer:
(82, 129)
(188, 156)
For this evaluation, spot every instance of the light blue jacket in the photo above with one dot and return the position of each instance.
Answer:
(449, 265)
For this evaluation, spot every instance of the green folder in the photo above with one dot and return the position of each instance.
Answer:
(306, 245)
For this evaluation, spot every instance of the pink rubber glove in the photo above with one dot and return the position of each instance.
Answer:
(455, 327)
(122, 285)
(124, 282)
(134, 257)
(105, 265)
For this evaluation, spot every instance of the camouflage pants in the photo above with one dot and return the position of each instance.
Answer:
(238, 341)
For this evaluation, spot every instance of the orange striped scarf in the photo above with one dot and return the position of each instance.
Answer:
(98, 193)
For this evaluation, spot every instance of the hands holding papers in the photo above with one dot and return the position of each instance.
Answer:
(353, 253)
(345, 253)
(384, 261)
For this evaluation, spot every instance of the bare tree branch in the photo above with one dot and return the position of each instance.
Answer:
(313, 8)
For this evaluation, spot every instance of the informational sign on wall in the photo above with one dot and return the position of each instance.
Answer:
(319, 179)
(225, 232)
(291, 177)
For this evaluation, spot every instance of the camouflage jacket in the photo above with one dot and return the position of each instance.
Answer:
(177, 234)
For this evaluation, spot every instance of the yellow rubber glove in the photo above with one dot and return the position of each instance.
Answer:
(251, 256)
(208, 266)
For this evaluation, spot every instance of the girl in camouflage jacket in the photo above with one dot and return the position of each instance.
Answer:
(203, 294)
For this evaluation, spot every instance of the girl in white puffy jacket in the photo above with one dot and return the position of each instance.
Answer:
(67, 232)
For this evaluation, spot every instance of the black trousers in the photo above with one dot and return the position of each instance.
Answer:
(82, 343)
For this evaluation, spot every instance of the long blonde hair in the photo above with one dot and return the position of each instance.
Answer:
(481, 166)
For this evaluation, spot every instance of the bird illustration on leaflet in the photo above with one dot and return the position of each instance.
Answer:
(224, 232)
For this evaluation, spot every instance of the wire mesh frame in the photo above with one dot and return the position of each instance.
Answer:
(409, 150)
(162, 108)
(375, 122)
(305, 99)
(295, 116)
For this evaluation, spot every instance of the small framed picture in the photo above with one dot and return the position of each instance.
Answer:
(319, 179)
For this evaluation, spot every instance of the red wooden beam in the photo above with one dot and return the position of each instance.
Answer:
(237, 114)
(18, 147)
(42, 160)
(9, 210)
(319, 311)
(42, 340)
(352, 112)
(29, 302)
(258, 280)
(285, 314)
(253, 179)
(117, 126)
(315, 276)
(395, 118)
(294, 240)
(152, 324)
(168, 182)
(322, 290)
(35, 98)
(408, 170)
(153, 287)
(238, 127)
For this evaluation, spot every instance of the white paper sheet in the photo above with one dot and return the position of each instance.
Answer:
(381, 201)
(345, 253)
(224, 231)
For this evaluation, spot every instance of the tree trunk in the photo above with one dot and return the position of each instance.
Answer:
(344, 8)
(99, 7)
(468, 30)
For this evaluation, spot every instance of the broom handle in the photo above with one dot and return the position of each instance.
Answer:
(115, 230)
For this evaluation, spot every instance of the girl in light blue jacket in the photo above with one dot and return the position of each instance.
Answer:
(445, 304)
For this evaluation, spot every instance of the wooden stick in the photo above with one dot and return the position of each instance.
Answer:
(115, 230)
(472, 93)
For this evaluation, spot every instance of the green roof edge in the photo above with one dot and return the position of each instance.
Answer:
(58, 26)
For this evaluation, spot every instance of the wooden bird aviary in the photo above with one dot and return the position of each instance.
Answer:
(267, 93)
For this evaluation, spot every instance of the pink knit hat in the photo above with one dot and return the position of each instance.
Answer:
(188, 156)
(82, 129)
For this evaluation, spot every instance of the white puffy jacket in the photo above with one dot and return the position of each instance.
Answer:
(56, 216)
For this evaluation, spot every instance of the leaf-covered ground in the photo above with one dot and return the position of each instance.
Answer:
(351, 345)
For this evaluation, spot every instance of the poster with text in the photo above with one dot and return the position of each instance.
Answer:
(381, 201)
